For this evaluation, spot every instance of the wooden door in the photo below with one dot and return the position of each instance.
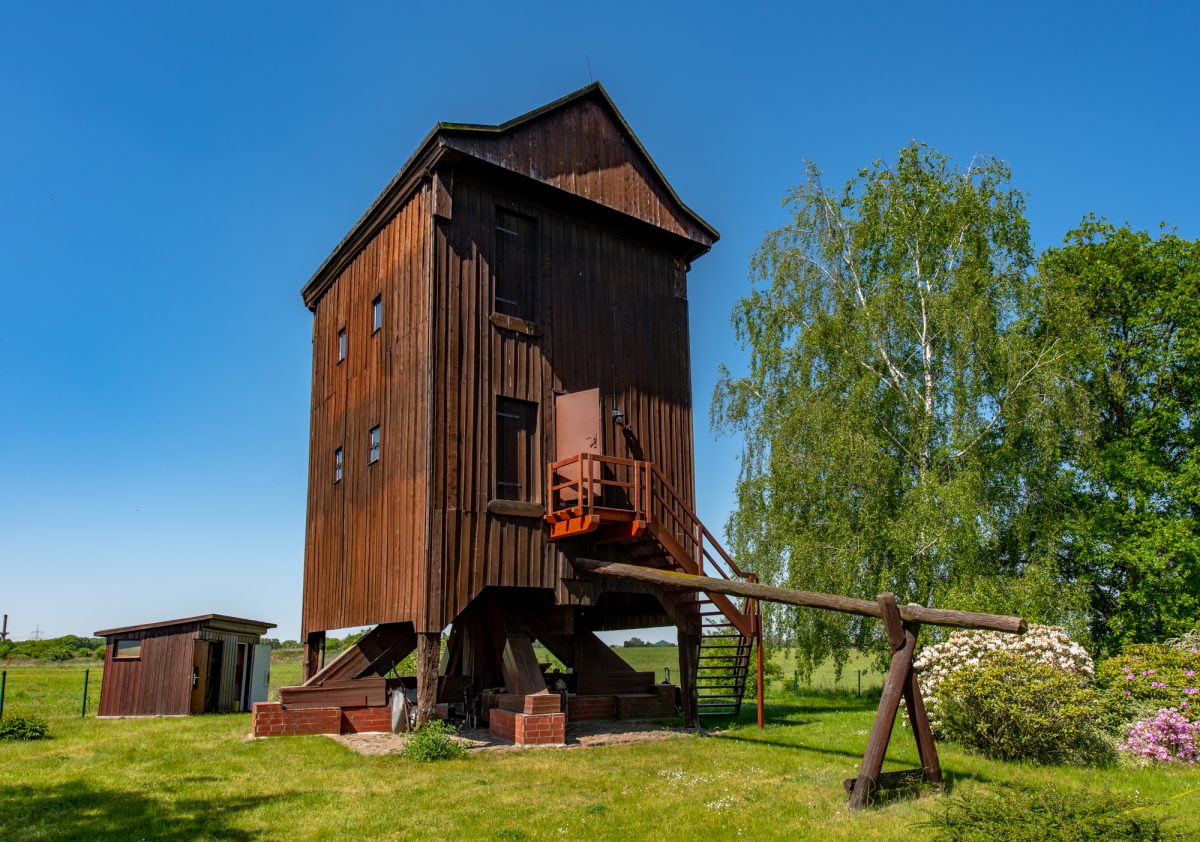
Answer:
(239, 678)
(199, 676)
(576, 430)
(260, 676)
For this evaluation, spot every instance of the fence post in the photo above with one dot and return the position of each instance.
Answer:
(83, 708)
(3, 681)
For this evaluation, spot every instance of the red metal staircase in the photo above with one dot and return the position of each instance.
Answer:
(631, 503)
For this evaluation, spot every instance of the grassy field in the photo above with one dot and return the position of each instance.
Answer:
(661, 658)
(201, 778)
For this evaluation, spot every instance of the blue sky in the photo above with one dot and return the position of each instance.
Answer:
(171, 175)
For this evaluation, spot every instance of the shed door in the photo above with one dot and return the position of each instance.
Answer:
(260, 676)
(199, 676)
(576, 430)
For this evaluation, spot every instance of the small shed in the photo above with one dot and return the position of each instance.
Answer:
(207, 664)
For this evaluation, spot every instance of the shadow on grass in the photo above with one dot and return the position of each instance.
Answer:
(77, 810)
(790, 745)
(780, 710)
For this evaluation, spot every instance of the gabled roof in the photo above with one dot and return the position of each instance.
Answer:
(216, 621)
(592, 153)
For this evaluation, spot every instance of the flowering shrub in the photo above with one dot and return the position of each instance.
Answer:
(1046, 645)
(1187, 641)
(1013, 708)
(1167, 737)
(1158, 675)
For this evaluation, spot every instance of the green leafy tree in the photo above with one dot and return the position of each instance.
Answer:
(904, 417)
(1135, 302)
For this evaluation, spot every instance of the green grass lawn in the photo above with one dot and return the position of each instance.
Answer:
(201, 778)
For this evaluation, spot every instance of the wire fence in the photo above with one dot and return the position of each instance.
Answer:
(56, 691)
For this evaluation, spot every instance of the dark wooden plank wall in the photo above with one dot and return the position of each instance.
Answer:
(582, 149)
(365, 549)
(159, 683)
(612, 316)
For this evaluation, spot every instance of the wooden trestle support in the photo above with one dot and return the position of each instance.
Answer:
(902, 623)
(901, 682)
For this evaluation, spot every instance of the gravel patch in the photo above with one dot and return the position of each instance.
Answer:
(579, 735)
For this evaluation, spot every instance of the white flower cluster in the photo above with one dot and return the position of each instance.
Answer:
(1048, 645)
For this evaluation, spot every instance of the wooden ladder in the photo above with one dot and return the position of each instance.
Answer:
(631, 503)
(725, 649)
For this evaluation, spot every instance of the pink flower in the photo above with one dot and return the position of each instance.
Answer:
(1167, 736)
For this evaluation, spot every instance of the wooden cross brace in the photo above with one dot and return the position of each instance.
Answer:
(901, 681)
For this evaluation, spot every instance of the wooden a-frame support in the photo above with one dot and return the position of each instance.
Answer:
(901, 682)
(902, 624)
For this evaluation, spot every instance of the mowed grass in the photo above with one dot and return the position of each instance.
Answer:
(201, 778)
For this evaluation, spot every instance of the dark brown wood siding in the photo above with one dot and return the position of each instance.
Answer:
(365, 552)
(159, 683)
(583, 150)
(612, 314)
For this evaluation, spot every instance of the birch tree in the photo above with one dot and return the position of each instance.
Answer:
(904, 415)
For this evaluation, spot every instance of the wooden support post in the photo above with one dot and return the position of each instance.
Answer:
(901, 681)
(689, 660)
(919, 719)
(759, 665)
(314, 642)
(429, 646)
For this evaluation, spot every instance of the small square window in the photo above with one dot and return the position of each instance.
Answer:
(377, 313)
(374, 445)
(337, 465)
(127, 650)
(341, 344)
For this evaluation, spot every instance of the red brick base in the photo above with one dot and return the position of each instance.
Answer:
(535, 722)
(528, 729)
(659, 703)
(272, 719)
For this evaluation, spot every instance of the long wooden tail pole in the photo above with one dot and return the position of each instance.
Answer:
(830, 602)
(902, 623)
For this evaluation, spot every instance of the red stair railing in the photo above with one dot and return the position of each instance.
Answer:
(616, 489)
